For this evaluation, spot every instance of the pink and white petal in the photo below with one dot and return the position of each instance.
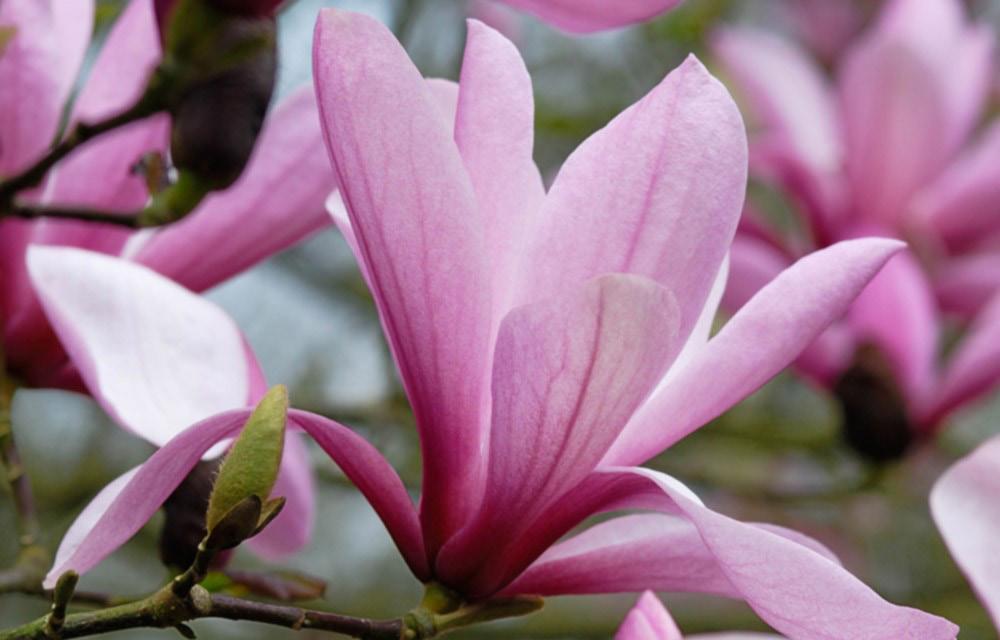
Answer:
(128, 503)
(974, 367)
(587, 16)
(963, 205)
(414, 213)
(648, 620)
(897, 312)
(37, 71)
(156, 356)
(657, 192)
(964, 285)
(100, 174)
(766, 335)
(278, 201)
(293, 527)
(786, 92)
(495, 130)
(567, 375)
(965, 503)
(372, 474)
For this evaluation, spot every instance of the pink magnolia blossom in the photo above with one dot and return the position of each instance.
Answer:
(278, 201)
(587, 16)
(649, 620)
(884, 151)
(550, 341)
(965, 503)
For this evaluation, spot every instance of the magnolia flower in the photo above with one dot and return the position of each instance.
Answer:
(550, 341)
(586, 16)
(965, 503)
(882, 154)
(649, 620)
(229, 231)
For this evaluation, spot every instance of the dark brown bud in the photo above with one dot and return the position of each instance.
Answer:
(185, 509)
(873, 409)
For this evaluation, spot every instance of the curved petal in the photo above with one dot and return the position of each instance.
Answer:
(414, 213)
(657, 193)
(568, 373)
(966, 508)
(648, 620)
(37, 71)
(586, 16)
(123, 507)
(293, 527)
(156, 356)
(278, 201)
(763, 338)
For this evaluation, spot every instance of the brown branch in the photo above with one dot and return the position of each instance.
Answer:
(28, 211)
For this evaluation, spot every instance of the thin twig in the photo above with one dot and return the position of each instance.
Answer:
(29, 211)
(17, 479)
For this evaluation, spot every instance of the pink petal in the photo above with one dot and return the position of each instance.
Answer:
(277, 202)
(494, 130)
(966, 508)
(974, 367)
(753, 264)
(445, 94)
(377, 481)
(100, 174)
(37, 70)
(648, 620)
(585, 16)
(293, 527)
(567, 375)
(657, 192)
(413, 210)
(964, 285)
(768, 333)
(896, 311)
(123, 507)
(156, 357)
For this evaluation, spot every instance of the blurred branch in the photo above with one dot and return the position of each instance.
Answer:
(17, 479)
(32, 212)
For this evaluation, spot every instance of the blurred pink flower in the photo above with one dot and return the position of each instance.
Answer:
(587, 16)
(884, 153)
(278, 201)
(649, 620)
(550, 341)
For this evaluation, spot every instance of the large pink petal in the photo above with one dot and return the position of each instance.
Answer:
(896, 312)
(376, 479)
(122, 508)
(648, 620)
(768, 333)
(293, 527)
(965, 503)
(494, 130)
(277, 202)
(657, 192)
(156, 356)
(964, 285)
(567, 375)
(37, 70)
(585, 16)
(100, 174)
(974, 367)
(413, 211)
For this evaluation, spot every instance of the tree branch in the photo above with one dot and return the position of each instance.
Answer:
(33, 212)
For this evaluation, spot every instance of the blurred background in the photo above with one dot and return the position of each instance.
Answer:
(778, 457)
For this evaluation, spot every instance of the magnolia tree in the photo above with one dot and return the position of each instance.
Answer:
(551, 338)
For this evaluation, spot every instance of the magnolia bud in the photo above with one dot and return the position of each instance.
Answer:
(184, 526)
(873, 408)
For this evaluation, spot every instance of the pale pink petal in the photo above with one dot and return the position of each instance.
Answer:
(278, 201)
(445, 94)
(974, 367)
(377, 481)
(897, 313)
(586, 16)
(827, 27)
(567, 375)
(648, 620)
(963, 205)
(293, 527)
(156, 356)
(767, 334)
(965, 503)
(37, 70)
(124, 507)
(494, 130)
(414, 213)
(100, 174)
(657, 192)
(963, 285)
